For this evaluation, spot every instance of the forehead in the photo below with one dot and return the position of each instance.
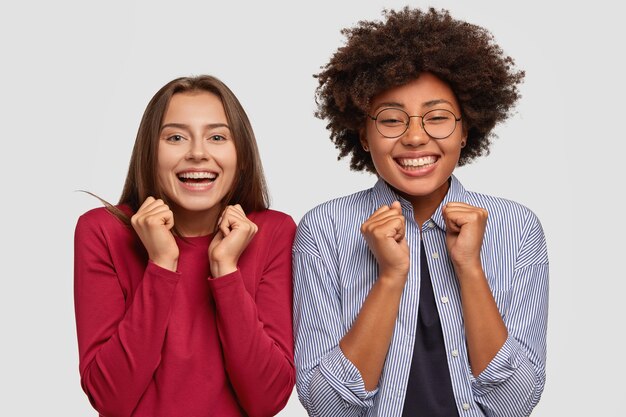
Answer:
(196, 105)
(423, 91)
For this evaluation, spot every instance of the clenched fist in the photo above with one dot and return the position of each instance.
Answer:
(465, 226)
(153, 223)
(384, 231)
(234, 233)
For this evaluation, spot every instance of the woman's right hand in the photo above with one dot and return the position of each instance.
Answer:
(384, 233)
(153, 223)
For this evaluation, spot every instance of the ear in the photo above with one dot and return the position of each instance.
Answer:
(464, 136)
(363, 140)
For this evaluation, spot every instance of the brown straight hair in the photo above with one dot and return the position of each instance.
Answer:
(249, 188)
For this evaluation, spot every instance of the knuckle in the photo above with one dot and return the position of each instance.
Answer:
(378, 233)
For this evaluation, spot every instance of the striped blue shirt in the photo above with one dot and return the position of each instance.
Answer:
(334, 271)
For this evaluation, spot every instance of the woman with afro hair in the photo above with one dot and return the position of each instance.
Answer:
(418, 297)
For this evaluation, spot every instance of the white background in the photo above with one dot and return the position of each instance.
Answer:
(76, 77)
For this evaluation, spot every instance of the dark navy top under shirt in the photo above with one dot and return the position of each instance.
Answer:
(429, 390)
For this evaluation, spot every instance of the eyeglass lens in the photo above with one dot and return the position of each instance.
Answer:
(438, 123)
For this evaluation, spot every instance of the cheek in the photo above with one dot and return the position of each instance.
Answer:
(226, 157)
(164, 178)
(167, 160)
(168, 156)
(381, 149)
(164, 165)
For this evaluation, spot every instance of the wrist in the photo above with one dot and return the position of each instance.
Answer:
(393, 280)
(166, 263)
(219, 269)
(468, 269)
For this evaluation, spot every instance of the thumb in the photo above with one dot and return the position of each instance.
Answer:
(452, 223)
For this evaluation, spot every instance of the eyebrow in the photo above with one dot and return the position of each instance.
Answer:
(432, 103)
(429, 103)
(389, 104)
(184, 126)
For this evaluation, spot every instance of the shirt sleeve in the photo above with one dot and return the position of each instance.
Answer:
(257, 333)
(328, 384)
(119, 347)
(512, 383)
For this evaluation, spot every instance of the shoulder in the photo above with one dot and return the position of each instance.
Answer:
(271, 218)
(341, 210)
(101, 221)
(511, 223)
(502, 208)
(333, 223)
(98, 216)
(273, 225)
(511, 226)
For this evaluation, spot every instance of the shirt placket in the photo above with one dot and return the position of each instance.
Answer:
(448, 301)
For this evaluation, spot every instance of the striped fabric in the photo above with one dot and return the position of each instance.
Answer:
(334, 271)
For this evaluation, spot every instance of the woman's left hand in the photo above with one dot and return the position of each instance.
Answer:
(235, 231)
(465, 228)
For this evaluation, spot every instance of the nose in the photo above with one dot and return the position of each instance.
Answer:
(197, 150)
(415, 134)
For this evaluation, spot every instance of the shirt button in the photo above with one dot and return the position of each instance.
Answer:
(455, 353)
(466, 406)
(444, 299)
(435, 255)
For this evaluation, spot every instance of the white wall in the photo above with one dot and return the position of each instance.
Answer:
(76, 76)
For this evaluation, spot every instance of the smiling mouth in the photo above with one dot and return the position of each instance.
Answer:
(416, 163)
(197, 178)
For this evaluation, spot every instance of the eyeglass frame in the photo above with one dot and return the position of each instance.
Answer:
(375, 118)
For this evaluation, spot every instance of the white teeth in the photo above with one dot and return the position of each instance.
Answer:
(417, 162)
(198, 175)
(196, 184)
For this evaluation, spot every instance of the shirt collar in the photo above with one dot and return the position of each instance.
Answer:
(382, 193)
(456, 193)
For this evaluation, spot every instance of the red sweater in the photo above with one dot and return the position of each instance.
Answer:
(158, 343)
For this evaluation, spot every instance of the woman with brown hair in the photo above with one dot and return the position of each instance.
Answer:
(433, 298)
(183, 289)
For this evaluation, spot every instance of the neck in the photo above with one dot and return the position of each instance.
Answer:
(425, 205)
(196, 223)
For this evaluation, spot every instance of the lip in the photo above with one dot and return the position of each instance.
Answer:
(415, 171)
(210, 171)
(194, 186)
(197, 188)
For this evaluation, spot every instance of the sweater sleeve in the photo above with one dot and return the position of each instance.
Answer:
(119, 340)
(256, 333)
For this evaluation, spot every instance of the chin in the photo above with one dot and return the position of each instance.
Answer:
(197, 204)
(418, 187)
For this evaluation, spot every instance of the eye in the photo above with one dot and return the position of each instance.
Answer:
(392, 117)
(217, 138)
(174, 138)
(438, 116)
(391, 122)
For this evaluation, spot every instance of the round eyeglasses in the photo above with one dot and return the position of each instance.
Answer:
(393, 123)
